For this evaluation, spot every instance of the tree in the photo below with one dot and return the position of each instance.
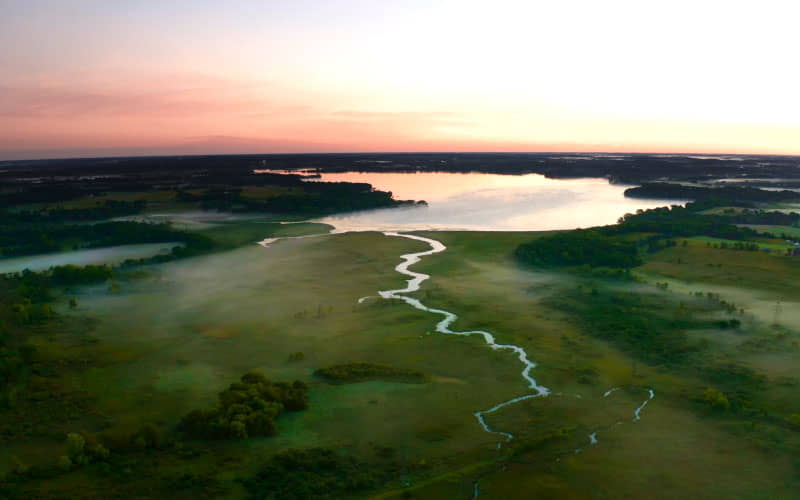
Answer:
(716, 399)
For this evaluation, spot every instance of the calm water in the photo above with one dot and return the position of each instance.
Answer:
(105, 255)
(488, 202)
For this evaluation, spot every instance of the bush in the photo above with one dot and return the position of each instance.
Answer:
(246, 409)
(149, 436)
(360, 372)
(716, 399)
(315, 473)
(83, 448)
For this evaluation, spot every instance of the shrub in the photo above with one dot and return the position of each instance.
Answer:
(716, 399)
(360, 372)
(315, 473)
(246, 409)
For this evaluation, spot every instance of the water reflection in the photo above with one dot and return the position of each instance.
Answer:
(489, 202)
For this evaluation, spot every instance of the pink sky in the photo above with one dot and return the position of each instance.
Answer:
(119, 78)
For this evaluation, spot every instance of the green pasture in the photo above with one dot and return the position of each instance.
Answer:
(168, 342)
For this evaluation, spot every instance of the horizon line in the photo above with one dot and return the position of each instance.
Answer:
(346, 153)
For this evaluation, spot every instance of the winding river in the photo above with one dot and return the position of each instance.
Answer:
(414, 283)
(443, 326)
(486, 202)
(449, 318)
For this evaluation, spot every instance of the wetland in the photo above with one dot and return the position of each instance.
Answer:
(477, 346)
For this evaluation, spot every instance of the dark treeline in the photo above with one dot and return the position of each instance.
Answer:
(28, 237)
(580, 247)
(47, 180)
(360, 372)
(769, 218)
(313, 198)
(733, 194)
(219, 177)
(106, 209)
(620, 245)
(678, 221)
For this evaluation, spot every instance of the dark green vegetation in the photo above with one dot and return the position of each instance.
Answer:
(25, 236)
(581, 247)
(315, 473)
(313, 198)
(360, 372)
(223, 183)
(623, 168)
(247, 408)
(69, 205)
(622, 245)
(679, 221)
(99, 383)
(732, 194)
(644, 325)
(105, 209)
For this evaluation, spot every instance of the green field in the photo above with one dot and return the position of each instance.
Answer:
(168, 342)
(771, 244)
(777, 231)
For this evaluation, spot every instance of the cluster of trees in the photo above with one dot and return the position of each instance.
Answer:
(728, 324)
(21, 237)
(24, 301)
(619, 246)
(747, 246)
(765, 217)
(580, 247)
(106, 209)
(82, 449)
(360, 372)
(678, 221)
(639, 324)
(247, 408)
(315, 473)
(193, 245)
(731, 194)
(733, 377)
(732, 389)
(730, 307)
(715, 399)
(70, 275)
(307, 198)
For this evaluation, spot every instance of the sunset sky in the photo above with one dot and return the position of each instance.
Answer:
(105, 77)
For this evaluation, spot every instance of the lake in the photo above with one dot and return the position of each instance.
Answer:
(489, 202)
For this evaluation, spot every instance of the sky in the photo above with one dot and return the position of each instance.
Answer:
(144, 77)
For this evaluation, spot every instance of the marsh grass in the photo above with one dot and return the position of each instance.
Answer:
(166, 345)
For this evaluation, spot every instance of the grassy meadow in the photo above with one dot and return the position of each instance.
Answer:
(166, 343)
